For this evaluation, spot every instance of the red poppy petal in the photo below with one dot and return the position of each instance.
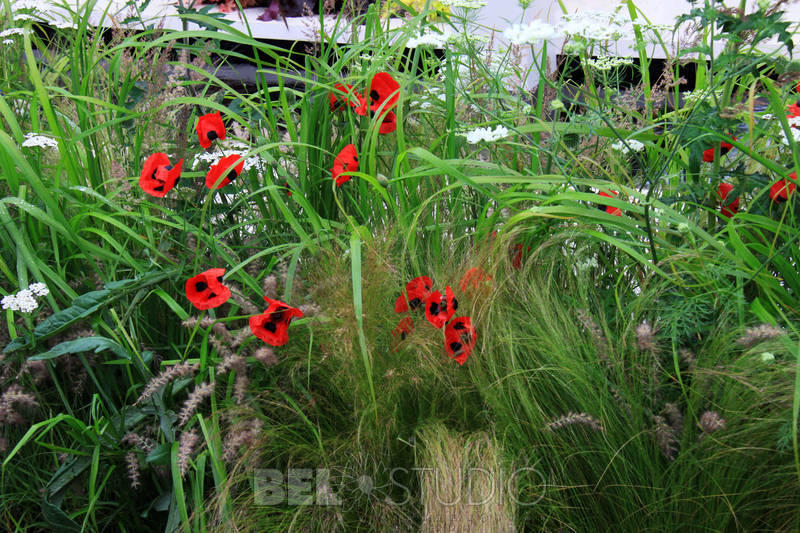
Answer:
(383, 88)
(158, 177)
(345, 161)
(274, 334)
(233, 161)
(210, 127)
(460, 339)
(206, 290)
(389, 123)
(404, 327)
(439, 310)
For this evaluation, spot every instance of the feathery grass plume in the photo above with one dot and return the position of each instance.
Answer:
(186, 448)
(246, 305)
(196, 397)
(270, 287)
(181, 370)
(675, 417)
(132, 462)
(709, 422)
(665, 437)
(37, 370)
(757, 334)
(241, 336)
(217, 327)
(645, 338)
(240, 386)
(229, 362)
(266, 355)
(222, 348)
(598, 337)
(569, 419)
(13, 398)
(134, 439)
(240, 434)
(688, 358)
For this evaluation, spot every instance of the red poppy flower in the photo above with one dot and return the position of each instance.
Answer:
(288, 190)
(794, 110)
(234, 162)
(459, 339)
(439, 309)
(158, 176)
(404, 327)
(383, 88)
(209, 128)
(341, 94)
(206, 290)
(728, 209)
(516, 255)
(346, 161)
(272, 326)
(782, 189)
(475, 278)
(607, 208)
(724, 148)
(416, 293)
(389, 123)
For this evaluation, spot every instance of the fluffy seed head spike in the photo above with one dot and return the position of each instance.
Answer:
(569, 419)
(196, 397)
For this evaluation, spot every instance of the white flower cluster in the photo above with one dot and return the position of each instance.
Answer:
(431, 38)
(590, 262)
(466, 4)
(794, 123)
(42, 141)
(609, 62)
(692, 97)
(25, 300)
(632, 146)
(11, 31)
(232, 148)
(537, 30)
(34, 5)
(593, 25)
(485, 134)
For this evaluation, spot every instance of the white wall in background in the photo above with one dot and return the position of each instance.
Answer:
(499, 14)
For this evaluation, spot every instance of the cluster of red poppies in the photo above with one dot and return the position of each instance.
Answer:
(378, 101)
(206, 291)
(459, 333)
(158, 176)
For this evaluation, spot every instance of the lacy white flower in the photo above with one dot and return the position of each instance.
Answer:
(34, 5)
(24, 301)
(466, 4)
(593, 25)
(39, 289)
(794, 123)
(232, 148)
(485, 134)
(609, 62)
(24, 16)
(43, 141)
(434, 39)
(8, 41)
(11, 31)
(528, 34)
(632, 146)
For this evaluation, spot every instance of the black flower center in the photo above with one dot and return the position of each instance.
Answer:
(434, 308)
(403, 335)
(459, 325)
(200, 286)
(270, 326)
(212, 135)
(413, 304)
(455, 304)
(219, 278)
(455, 346)
(374, 95)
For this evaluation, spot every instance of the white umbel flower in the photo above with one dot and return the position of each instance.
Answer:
(485, 134)
(537, 30)
(434, 39)
(632, 146)
(42, 141)
(25, 300)
(466, 4)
